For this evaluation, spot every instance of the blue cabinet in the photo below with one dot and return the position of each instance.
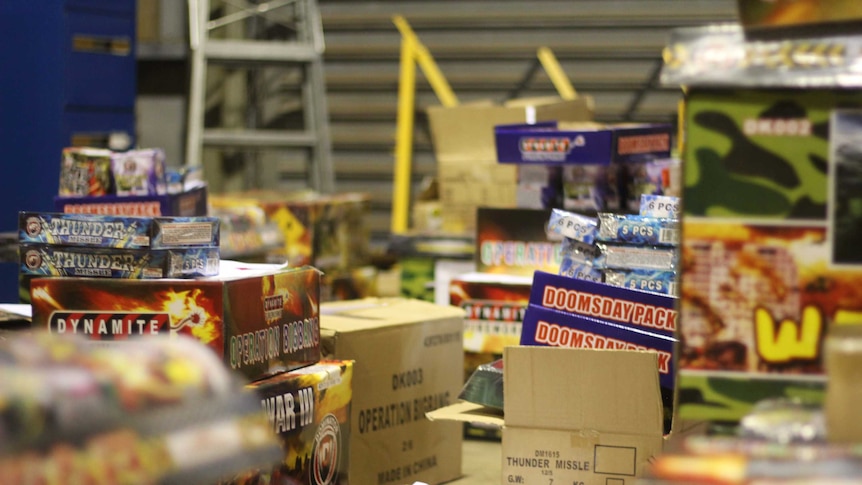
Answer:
(68, 77)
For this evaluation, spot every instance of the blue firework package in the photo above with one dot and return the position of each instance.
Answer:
(51, 260)
(656, 281)
(117, 231)
(583, 271)
(578, 251)
(616, 256)
(573, 226)
(660, 206)
(637, 230)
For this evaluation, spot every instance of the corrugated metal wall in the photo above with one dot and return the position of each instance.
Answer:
(608, 48)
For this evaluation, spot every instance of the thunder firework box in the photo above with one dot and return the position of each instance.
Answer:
(632, 309)
(117, 231)
(573, 143)
(51, 260)
(260, 319)
(309, 409)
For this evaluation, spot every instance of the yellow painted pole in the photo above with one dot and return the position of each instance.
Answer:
(404, 137)
(556, 74)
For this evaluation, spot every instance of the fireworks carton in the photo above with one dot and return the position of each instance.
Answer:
(191, 202)
(408, 356)
(494, 308)
(117, 231)
(515, 242)
(571, 415)
(771, 215)
(260, 319)
(309, 409)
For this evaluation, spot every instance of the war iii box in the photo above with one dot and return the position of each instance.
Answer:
(260, 319)
(117, 231)
(52, 260)
(309, 409)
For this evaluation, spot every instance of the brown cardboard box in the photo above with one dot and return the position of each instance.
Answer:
(467, 168)
(408, 356)
(574, 415)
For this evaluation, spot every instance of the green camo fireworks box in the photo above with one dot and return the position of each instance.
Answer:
(772, 242)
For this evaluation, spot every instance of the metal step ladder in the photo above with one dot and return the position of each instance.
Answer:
(255, 50)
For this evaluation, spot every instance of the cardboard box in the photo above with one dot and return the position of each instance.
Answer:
(463, 139)
(601, 424)
(771, 242)
(408, 356)
(309, 410)
(192, 202)
(259, 320)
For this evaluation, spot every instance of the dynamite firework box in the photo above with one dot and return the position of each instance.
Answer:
(117, 231)
(191, 202)
(260, 319)
(771, 214)
(309, 409)
(591, 417)
(408, 360)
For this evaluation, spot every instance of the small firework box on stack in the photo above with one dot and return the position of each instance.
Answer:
(309, 409)
(131, 183)
(260, 319)
(54, 244)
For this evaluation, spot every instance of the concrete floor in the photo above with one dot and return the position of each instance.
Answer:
(482, 463)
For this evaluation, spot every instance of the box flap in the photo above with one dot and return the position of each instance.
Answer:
(612, 391)
(466, 132)
(467, 412)
(373, 313)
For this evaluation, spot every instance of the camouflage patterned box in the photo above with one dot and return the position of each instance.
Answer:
(260, 319)
(309, 409)
(772, 245)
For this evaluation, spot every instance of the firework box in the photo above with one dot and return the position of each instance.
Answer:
(309, 409)
(329, 232)
(192, 202)
(581, 143)
(515, 242)
(117, 231)
(408, 356)
(494, 306)
(260, 319)
(600, 424)
(771, 217)
(633, 309)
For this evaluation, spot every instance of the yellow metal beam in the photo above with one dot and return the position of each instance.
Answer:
(556, 74)
(412, 53)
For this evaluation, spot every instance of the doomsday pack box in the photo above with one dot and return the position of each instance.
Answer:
(408, 360)
(191, 202)
(309, 410)
(771, 213)
(259, 319)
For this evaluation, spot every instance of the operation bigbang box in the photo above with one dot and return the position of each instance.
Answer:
(51, 260)
(117, 231)
(309, 409)
(260, 319)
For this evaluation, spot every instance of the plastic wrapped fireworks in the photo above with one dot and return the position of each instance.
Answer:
(75, 412)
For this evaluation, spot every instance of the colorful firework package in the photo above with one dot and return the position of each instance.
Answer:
(76, 413)
(100, 172)
(260, 319)
(309, 410)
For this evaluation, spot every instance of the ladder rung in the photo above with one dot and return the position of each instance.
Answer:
(259, 51)
(258, 138)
